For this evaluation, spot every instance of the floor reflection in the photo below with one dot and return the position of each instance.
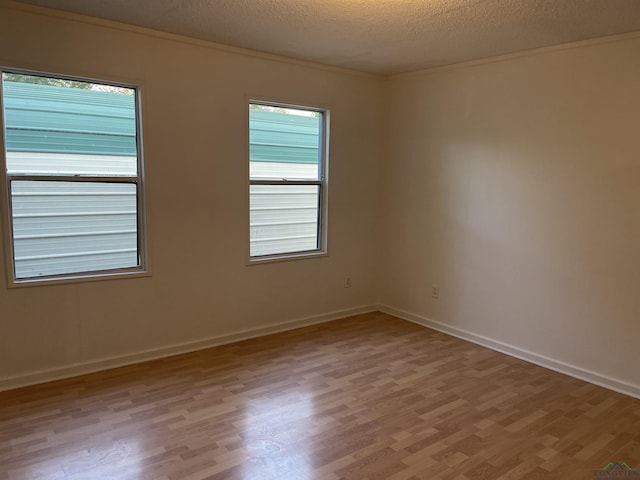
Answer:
(275, 429)
(92, 460)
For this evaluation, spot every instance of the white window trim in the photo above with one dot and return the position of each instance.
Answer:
(323, 214)
(6, 223)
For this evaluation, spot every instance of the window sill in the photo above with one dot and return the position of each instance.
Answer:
(286, 257)
(80, 278)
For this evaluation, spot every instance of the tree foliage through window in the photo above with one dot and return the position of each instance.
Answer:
(61, 82)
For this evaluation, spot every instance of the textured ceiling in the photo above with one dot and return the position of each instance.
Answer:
(380, 36)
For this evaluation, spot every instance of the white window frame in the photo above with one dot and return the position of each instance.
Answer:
(322, 183)
(142, 269)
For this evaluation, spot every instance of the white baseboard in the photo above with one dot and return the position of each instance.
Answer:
(58, 373)
(573, 371)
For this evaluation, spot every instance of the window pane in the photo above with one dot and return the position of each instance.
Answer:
(57, 126)
(283, 218)
(284, 143)
(72, 227)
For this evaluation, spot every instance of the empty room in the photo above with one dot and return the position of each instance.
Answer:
(319, 240)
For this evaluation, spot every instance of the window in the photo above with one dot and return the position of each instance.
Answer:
(287, 181)
(73, 170)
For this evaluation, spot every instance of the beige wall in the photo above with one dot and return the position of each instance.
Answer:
(195, 134)
(515, 185)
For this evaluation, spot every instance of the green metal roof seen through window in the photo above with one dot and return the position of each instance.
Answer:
(45, 118)
(282, 137)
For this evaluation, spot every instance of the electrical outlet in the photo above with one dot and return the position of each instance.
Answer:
(435, 290)
(347, 281)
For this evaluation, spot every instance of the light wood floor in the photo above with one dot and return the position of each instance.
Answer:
(370, 397)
